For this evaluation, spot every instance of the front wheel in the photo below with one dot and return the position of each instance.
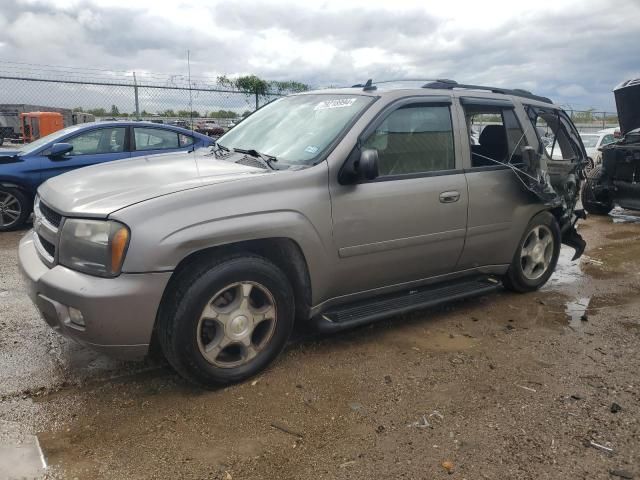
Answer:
(536, 256)
(15, 208)
(226, 321)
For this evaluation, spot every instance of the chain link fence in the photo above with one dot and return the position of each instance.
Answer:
(162, 99)
(80, 101)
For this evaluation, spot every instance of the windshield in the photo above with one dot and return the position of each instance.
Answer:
(41, 142)
(590, 141)
(296, 129)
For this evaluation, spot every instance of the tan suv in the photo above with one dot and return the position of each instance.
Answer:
(333, 207)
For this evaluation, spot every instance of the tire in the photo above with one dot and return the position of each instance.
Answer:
(590, 164)
(15, 208)
(542, 230)
(589, 202)
(205, 320)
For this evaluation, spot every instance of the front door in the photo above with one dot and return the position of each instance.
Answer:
(409, 223)
(89, 147)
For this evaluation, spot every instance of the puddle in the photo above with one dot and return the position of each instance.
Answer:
(576, 311)
(620, 215)
(20, 453)
(567, 271)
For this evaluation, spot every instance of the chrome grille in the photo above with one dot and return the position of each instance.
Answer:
(54, 218)
(46, 224)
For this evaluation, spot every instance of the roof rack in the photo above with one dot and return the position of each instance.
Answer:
(447, 84)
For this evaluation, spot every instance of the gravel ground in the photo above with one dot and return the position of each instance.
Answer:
(535, 386)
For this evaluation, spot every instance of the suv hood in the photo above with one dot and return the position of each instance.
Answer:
(99, 190)
(627, 96)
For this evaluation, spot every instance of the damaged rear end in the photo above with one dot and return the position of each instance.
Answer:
(555, 172)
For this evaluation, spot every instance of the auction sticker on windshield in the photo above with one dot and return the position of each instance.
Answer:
(336, 103)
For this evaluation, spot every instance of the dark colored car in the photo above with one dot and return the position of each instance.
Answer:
(23, 170)
(209, 128)
(616, 181)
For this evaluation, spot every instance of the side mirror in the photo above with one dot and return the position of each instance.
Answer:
(368, 164)
(60, 149)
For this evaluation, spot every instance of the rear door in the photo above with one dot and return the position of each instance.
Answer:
(90, 147)
(151, 141)
(499, 206)
(409, 223)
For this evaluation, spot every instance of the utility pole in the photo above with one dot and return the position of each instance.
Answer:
(135, 92)
(190, 92)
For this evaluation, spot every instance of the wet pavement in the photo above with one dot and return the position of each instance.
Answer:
(503, 386)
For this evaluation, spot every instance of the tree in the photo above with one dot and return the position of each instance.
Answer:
(114, 111)
(256, 86)
(187, 113)
(98, 112)
(78, 109)
(246, 113)
(223, 114)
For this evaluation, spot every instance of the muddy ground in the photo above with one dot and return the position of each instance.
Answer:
(502, 387)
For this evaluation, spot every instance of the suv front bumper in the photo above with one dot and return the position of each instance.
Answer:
(118, 313)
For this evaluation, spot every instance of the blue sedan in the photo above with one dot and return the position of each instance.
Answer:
(24, 169)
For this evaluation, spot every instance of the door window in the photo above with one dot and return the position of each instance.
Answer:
(103, 140)
(155, 139)
(414, 139)
(607, 139)
(560, 140)
(495, 135)
(185, 140)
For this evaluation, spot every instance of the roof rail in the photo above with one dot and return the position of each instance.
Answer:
(446, 84)
(366, 87)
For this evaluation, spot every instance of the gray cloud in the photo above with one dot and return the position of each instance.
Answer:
(575, 56)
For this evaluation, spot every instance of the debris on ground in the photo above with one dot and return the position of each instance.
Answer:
(597, 446)
(615, 408)
(527, 388)
(421, 423)
(286, 429)
(448, 466)
(621, 474)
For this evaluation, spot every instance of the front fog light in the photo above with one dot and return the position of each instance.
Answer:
(75, 317)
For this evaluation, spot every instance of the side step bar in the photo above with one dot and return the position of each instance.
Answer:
(363, 312)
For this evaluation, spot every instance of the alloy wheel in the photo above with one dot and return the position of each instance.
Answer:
(10, 209)
(236, 324)
(536, 252)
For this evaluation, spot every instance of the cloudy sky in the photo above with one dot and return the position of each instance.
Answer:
(572, 51)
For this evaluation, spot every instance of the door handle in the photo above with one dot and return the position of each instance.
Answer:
(449, 197)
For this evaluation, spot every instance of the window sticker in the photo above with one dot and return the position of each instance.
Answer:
(311, 149)
(335, 103)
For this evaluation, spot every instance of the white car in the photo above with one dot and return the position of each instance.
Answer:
(593, 141)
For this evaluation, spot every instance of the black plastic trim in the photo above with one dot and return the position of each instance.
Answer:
(489, 102)
(363, 312)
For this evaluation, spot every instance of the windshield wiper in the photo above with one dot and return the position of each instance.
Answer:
(268, 159)
(222, 147)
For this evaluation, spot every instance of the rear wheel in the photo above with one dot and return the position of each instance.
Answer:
(589, 201)
(15, 208)
(226, 321)
(536, 256)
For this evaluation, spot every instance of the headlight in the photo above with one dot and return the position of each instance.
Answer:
(96, 247)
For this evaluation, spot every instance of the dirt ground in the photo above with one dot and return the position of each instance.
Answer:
(536, 386)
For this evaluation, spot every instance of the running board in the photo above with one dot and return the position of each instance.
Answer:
(363, 312)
